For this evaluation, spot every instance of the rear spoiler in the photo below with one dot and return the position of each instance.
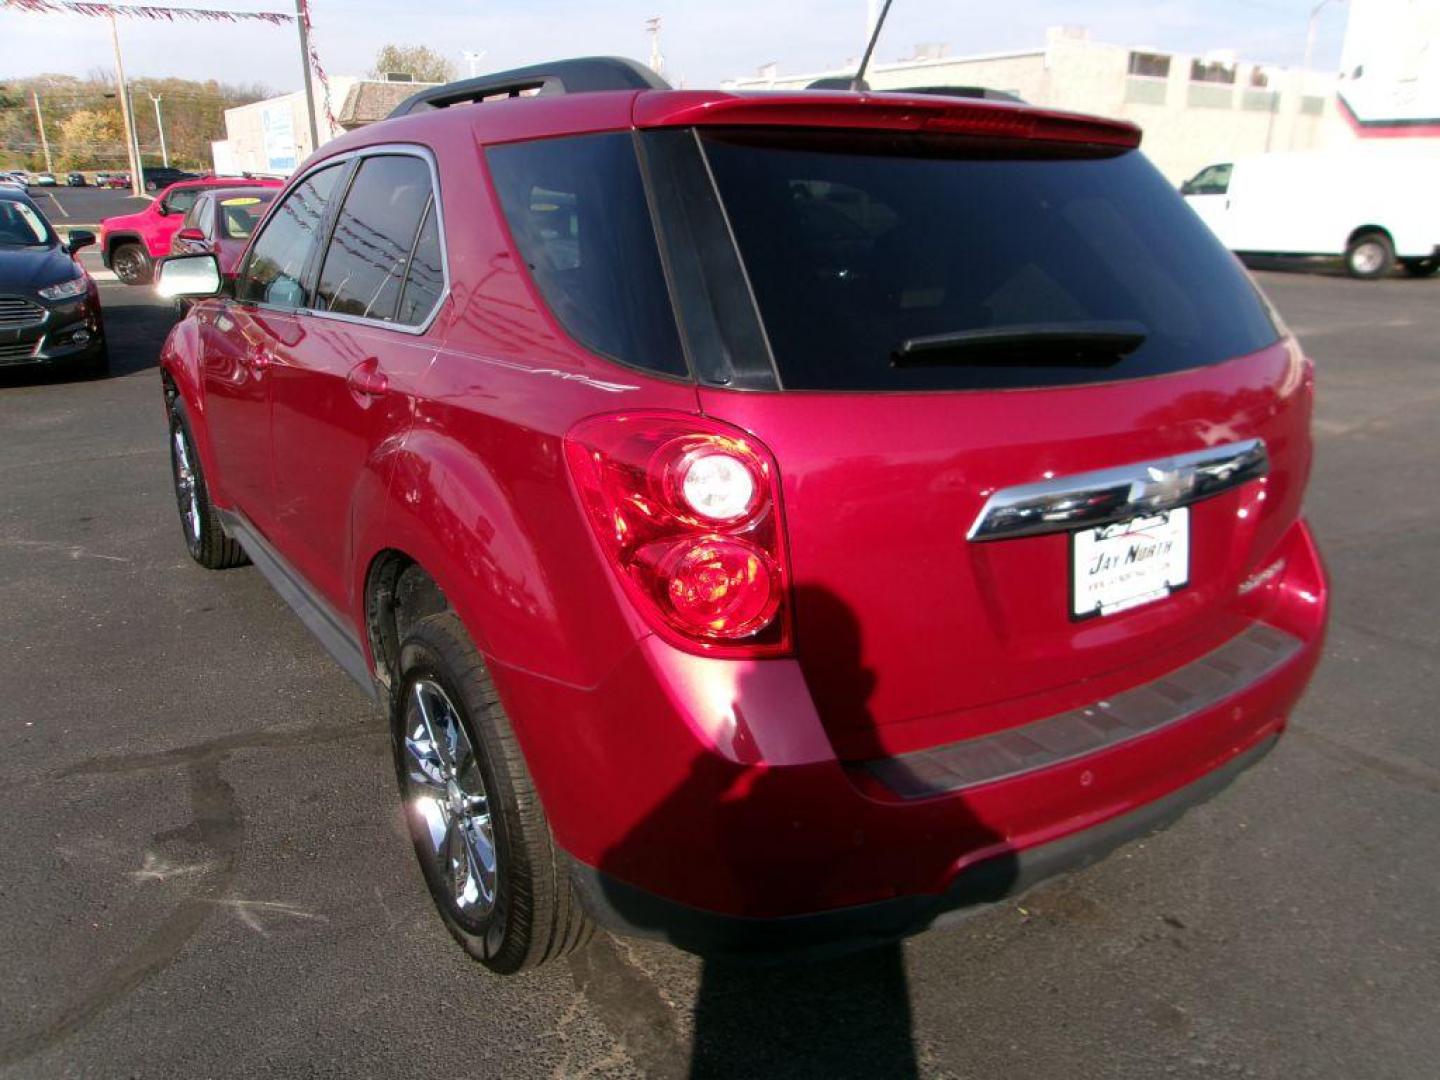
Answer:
(889, 112)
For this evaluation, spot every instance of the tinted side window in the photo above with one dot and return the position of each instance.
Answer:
(1211, 180)
(177, 202)
(369, 252)
(273, 273)
(577, 211)
(426, 279)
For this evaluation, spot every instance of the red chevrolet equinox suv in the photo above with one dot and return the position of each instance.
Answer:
(772, 521)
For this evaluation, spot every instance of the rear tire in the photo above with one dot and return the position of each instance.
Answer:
(1370, 256)
(131, 264)
(205, 538)
(469, 798)
(1421, 268)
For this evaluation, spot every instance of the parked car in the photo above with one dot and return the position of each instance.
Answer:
(155, 177)
(129, 243)
(43, 179)
(75, 179)
(115, 180)
(49, 306)
(222, 221)
(1370, 206)
(771, 520)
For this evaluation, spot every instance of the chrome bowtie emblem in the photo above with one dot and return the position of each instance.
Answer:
(1162, 487)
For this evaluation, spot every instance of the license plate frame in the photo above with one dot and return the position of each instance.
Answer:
(1128, 564)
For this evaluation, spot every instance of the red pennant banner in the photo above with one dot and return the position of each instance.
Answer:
(154, 12)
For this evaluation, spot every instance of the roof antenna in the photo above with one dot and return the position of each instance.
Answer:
(858, 83)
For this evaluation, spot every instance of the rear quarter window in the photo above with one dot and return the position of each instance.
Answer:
(578, 214)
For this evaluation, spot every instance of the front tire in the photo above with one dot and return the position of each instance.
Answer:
(493, 869)
(131, 264)
(1370, 256)
(205, 538)
(1421, 268)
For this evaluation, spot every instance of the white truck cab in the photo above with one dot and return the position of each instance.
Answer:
(1371, 206)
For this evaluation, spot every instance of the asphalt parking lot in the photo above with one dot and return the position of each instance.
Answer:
(204, 872)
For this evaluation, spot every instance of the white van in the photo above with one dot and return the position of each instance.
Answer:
(1373, 206)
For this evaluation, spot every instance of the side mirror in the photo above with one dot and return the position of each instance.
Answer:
(192, 234)
(189, 276)
(77, 239)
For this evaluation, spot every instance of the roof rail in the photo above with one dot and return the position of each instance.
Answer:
(585, 75)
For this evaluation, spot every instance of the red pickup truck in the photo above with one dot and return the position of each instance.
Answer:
(130, 243)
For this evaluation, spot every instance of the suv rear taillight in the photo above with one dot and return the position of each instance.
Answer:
(687, 513)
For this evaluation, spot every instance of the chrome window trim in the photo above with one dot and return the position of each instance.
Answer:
(1105, 496)
(353, 158)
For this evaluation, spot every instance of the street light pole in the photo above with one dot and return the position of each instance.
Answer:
(160, 126)
(1305, 66)
(40, 123)
(131, 149)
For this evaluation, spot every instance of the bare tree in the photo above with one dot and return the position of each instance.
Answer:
(419, 61)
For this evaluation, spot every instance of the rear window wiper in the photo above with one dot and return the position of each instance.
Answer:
(1097, 343)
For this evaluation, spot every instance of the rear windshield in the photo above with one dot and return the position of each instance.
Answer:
(854, 248)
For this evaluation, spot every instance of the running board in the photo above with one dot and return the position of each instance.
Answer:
(317, 615)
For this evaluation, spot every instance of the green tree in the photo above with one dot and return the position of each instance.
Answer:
(421, 61)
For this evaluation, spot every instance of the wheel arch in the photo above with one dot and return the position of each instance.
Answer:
(519, 573)
(180, 384)
(1363, 230)
(399, 592)
(114, 240)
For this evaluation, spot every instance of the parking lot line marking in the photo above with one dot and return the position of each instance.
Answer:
(58, 204)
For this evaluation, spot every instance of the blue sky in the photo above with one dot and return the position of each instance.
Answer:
(703, 42)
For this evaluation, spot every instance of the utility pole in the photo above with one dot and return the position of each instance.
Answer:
(160, 126)
(40, 123)
(132, 150)
(302, 22)
(473, 59)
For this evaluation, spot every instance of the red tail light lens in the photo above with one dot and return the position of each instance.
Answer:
(687, 513)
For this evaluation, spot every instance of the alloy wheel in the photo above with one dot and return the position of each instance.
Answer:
(129, 264)
(1368, 257)
(446, 793)
(187, 488)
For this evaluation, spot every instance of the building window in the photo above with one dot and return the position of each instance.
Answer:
(1212, 71)
(1151, 65)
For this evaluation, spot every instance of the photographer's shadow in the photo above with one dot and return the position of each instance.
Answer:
(845, 1012)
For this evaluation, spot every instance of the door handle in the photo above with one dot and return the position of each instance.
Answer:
(367, 380)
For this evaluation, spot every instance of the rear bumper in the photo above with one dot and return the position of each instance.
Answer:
(703, 800)
(626, 909)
